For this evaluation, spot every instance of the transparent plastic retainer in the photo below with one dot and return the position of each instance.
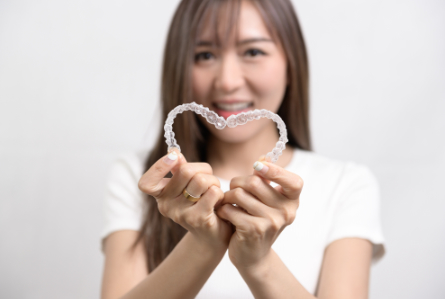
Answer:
(232, 121)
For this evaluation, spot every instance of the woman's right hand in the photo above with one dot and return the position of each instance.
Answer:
(199, 217)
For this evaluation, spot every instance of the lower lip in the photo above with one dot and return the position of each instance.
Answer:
(226, 114)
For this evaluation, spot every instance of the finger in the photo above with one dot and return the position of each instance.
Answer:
(291, 183)
(259, 188)
(181, 160)
(163, 183)
(200, 183)
(235, 215)
(264, 158)
(150, 181)
(210, 200)
(182, 177)
(246, 201)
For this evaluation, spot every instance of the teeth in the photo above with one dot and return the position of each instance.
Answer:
(232, 107)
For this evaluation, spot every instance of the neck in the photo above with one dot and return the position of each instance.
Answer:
(229, 160)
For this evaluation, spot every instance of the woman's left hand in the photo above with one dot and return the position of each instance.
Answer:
(261, 212)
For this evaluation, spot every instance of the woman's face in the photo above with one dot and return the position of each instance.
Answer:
(248, 73)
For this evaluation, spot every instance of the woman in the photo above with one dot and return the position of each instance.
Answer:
(228, 240)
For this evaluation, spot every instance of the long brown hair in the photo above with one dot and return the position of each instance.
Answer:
(158, 233)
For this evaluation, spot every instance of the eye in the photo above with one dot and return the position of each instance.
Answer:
(203, 56)
(254, 52)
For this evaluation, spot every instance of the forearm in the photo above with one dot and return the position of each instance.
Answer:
(272, 279)
(182, 274)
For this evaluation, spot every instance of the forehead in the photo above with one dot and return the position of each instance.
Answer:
(232, 21)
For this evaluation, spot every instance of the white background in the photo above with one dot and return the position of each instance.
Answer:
(78, 85)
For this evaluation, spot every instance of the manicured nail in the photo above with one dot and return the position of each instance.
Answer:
(260, 167)
(170, 158)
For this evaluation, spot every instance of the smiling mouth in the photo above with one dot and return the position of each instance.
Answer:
(233, 107)
(226, 109)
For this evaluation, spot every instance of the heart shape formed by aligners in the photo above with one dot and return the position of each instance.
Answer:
(231, 122)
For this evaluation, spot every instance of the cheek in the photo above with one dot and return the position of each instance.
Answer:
(201, 83)
(269, 83)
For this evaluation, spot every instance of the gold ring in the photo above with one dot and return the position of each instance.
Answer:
(189, 196)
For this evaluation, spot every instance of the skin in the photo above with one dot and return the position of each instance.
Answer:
(262, 212)
(241, 69)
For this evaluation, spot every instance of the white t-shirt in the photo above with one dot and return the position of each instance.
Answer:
(339, 199)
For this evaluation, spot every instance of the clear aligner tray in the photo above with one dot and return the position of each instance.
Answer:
(232, 121)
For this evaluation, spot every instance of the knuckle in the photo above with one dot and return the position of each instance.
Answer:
(144, 186)
(254, 182)
(186, 170)
(218, 183)
(162, 208)
(208, 225)
(214, 191)
(289, 215)
(258, 230)
(205, 221)
(234, 182)
(224, 209)
(274, 225)
(238, 192)
(274, 172)
(200, 179)
(299, 182)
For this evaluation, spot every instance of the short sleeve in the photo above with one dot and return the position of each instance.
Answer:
(123, 201)
(357, 209)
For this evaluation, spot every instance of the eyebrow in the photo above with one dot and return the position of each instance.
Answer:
(244, 41)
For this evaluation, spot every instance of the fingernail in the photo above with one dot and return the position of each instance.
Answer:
(260, 167)
(170, 158)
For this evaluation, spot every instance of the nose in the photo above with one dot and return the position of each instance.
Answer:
(230, 75)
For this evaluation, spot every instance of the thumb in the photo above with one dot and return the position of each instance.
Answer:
(260, 166)
(181, 160)
(152, 181)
